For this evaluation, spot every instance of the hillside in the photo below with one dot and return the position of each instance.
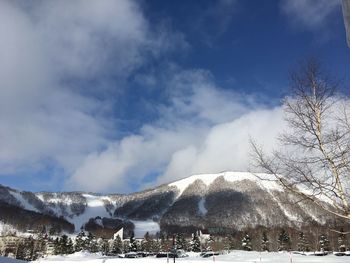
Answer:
(218, 202)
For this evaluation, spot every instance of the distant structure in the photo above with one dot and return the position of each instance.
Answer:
(346, 15)
(204, 236)
(119, 233)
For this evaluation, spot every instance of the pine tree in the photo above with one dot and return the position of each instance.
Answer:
(117, 246)
(133, 243)
(246, 243)
(155, 248)
(164, 244)
(25, 250)
(341, 241)
(126, 246)
(65, 245)
(92, 245)
(195, 244)
(324, 243)
(302, 243)
(40, 244)
(57, 247)
(80, 242)
(265, 243)
(147, 243)
(70, 246)
(283, 241)
(181, 242)
(104, 247)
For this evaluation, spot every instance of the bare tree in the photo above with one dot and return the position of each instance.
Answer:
(313, 159)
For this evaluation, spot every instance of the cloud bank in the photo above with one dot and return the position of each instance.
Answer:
(65, 64)
(204, 130)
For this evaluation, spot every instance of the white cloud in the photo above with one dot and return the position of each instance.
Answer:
(46, 48)
(204, 129)
(309, 14)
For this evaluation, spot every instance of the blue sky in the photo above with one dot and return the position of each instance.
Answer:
(117, 96)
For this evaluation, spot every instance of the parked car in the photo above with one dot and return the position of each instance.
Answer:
(209, 254)
(132, 255)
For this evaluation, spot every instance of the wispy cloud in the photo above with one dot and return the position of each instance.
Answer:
(308, 14)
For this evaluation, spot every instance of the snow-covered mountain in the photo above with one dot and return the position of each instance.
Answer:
(229, 200)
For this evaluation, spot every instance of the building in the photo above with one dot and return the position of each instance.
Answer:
(204, 236)
(9, 244)
(119, 233)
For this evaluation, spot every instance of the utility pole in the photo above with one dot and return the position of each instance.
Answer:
(174, 246)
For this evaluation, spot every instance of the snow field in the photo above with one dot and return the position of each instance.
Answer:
(208, 179)
(234, 257)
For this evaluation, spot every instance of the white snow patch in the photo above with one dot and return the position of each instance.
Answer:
(142, 227)
(23, 201)
(263, 179)
(201, 206)
(55, 199)
(95, 207)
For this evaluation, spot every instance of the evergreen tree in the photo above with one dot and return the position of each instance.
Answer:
(92, 245)
(341, 241)
(155, 248)
(104, 247)
(181, 242)
(80, 242)
(283, 241)
(126, 246)
(57, 247)
(25, 250)
(147, 243)
(265, 243)
(302, 243)
(195, 244)
(65, 245)
(164, 244)
(324, 243)
(70, 246)
(133, 243)
(21, 251)
(40, 244)
(117, 246)
(246, 243)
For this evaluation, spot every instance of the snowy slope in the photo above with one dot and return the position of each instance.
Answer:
(228, 199)
(264, 180)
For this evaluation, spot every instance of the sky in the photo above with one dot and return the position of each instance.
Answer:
(115, 96)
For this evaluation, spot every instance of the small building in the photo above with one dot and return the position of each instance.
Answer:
(119, 233)
(9, 245)
(204, 236)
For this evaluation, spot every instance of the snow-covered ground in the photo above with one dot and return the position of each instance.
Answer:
(10, 260)
(234, 257)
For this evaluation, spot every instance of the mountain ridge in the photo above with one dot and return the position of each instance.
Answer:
(229, 200)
